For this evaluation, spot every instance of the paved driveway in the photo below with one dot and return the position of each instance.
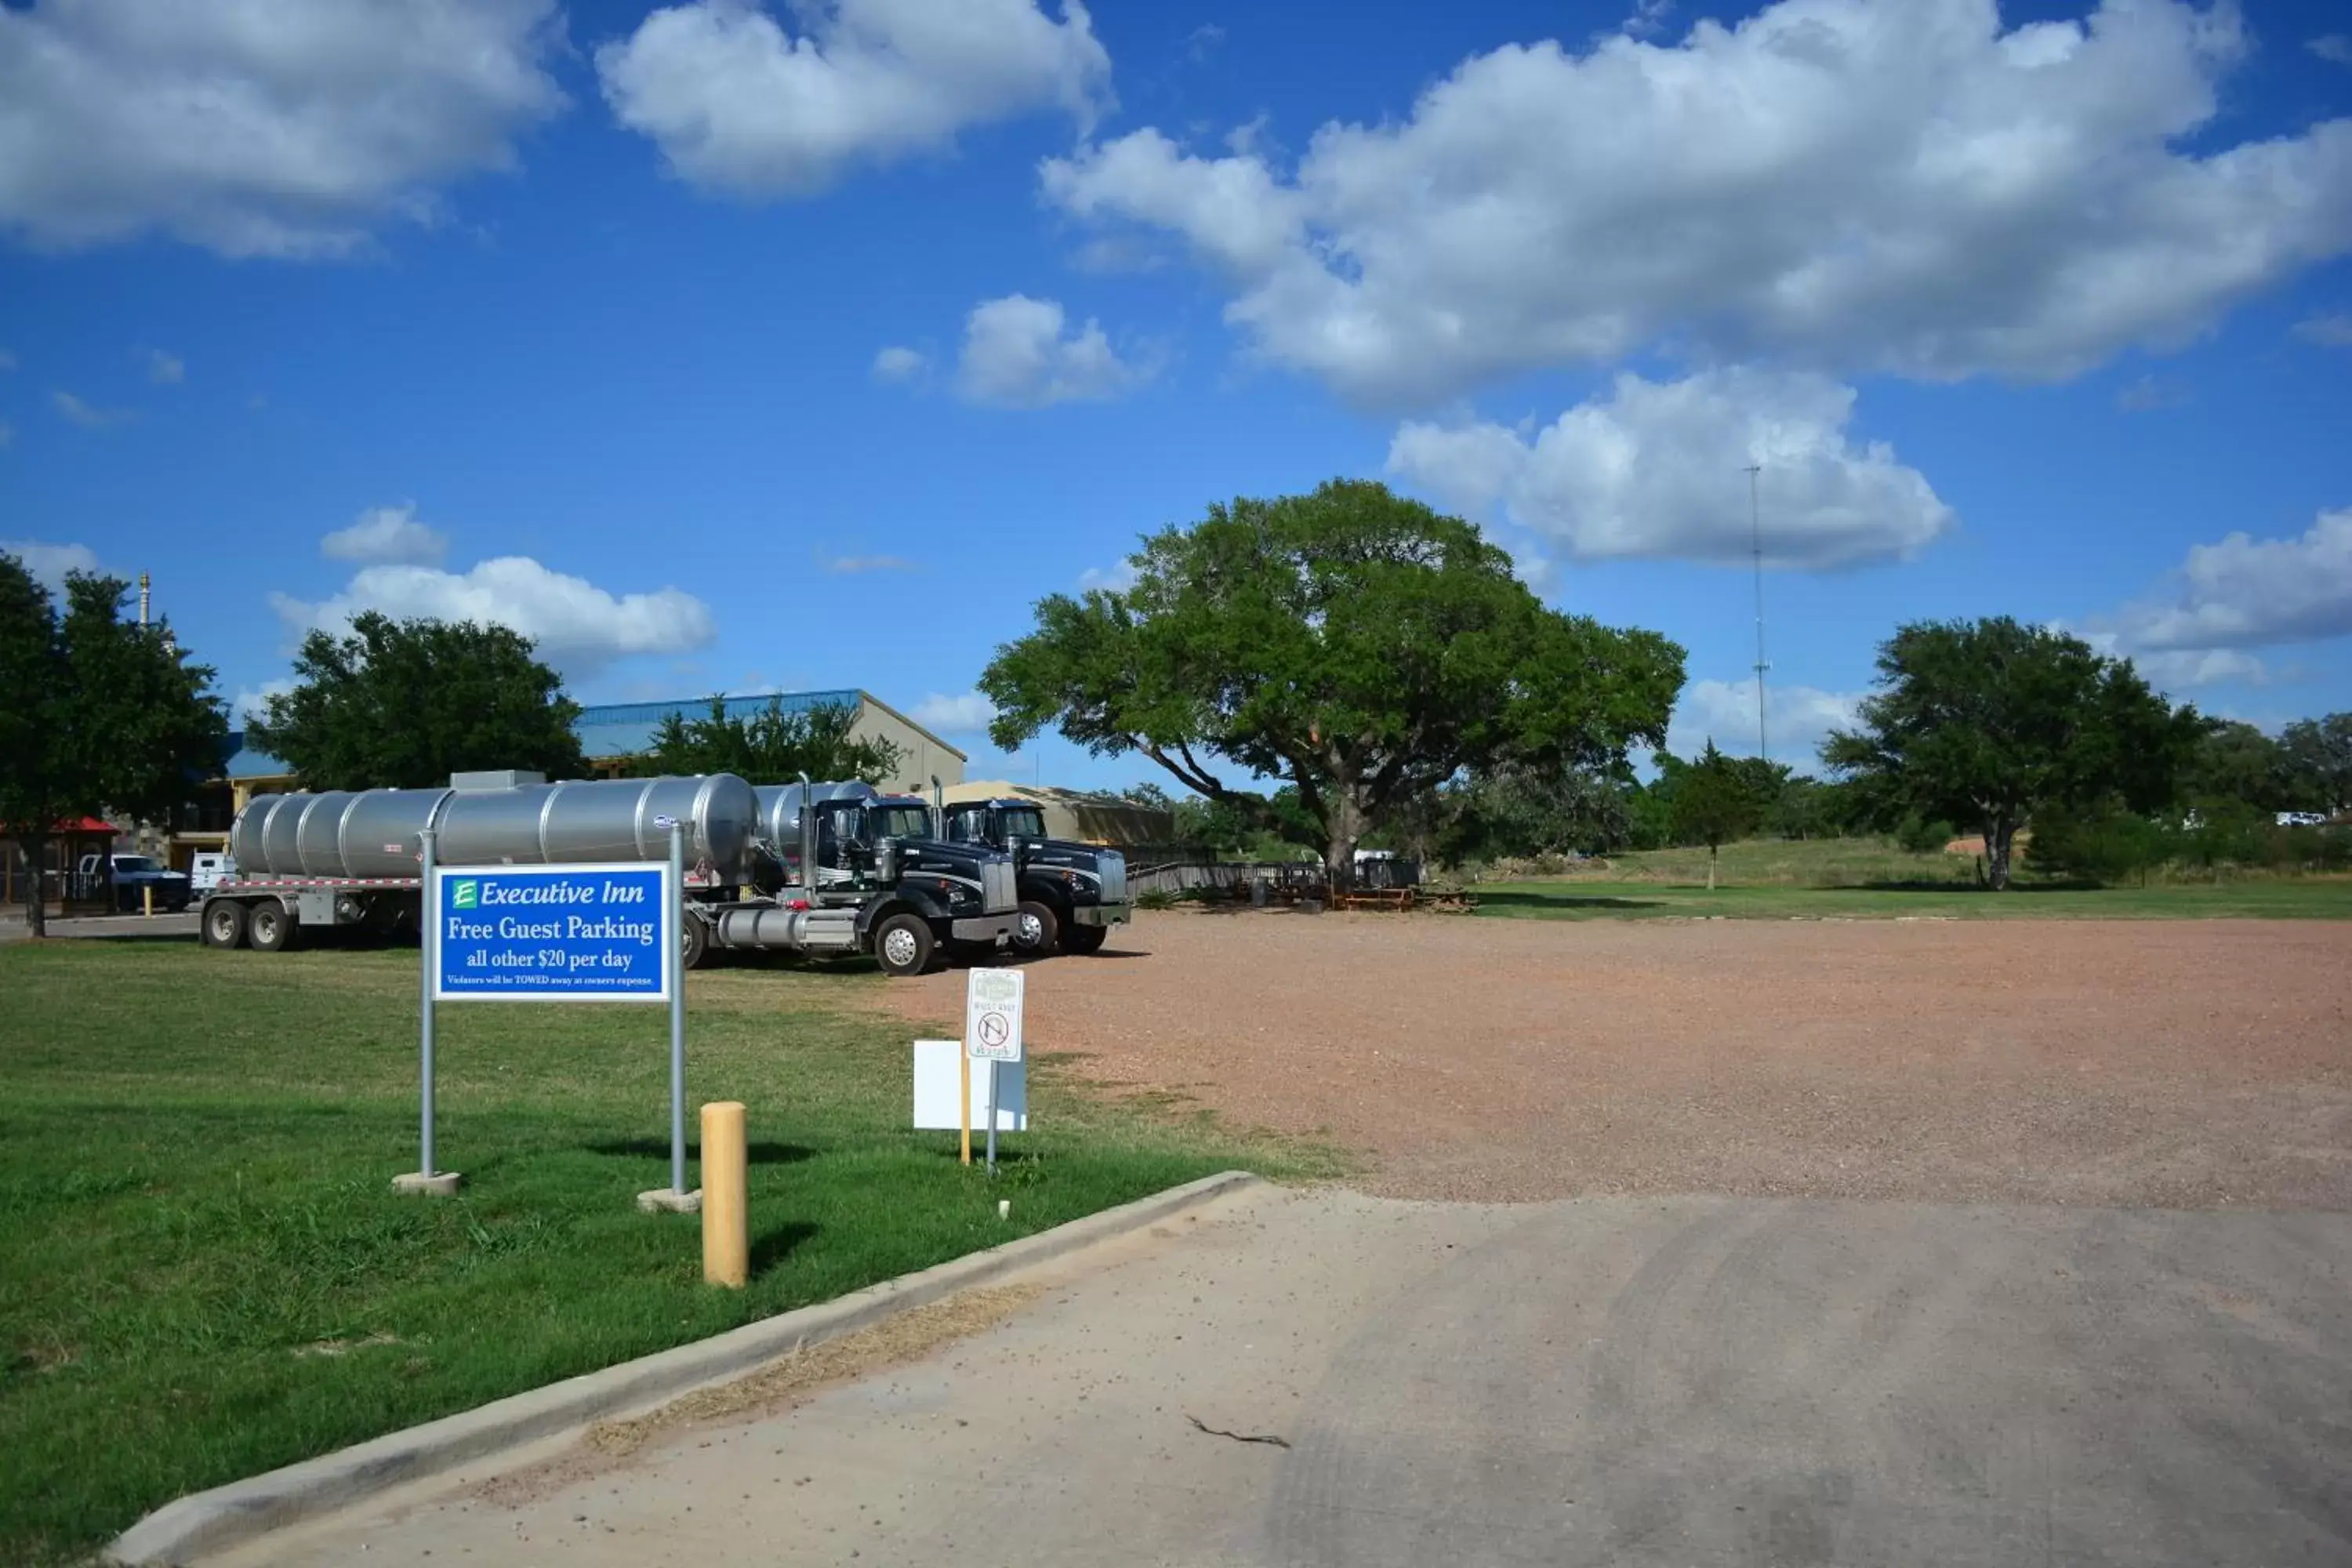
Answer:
(1693, 1381)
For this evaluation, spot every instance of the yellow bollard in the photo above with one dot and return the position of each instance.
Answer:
(147, 902)
(726, 1226)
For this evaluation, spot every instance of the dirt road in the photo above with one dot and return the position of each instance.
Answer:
(2174, 1064)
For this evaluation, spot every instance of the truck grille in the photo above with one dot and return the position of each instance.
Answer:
(998, 893)
(1113, 866)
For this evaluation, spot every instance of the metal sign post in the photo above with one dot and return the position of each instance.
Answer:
(992, 1029)
(426, 1178)
(677, 1013)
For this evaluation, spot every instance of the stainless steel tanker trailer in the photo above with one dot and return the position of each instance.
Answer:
(351, 858)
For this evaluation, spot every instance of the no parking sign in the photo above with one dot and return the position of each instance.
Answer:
(992, 1015)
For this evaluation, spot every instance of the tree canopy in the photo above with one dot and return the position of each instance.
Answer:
(1355, 645)
(97, 712)
(1987, 722)
(1717, 799)
(404, 704)
(2316, 754)
(770, 745)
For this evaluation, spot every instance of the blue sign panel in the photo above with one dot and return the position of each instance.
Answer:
(552, 933)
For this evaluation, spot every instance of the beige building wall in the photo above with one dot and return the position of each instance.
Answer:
(921, 754)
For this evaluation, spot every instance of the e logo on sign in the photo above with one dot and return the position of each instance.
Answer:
(467, 895)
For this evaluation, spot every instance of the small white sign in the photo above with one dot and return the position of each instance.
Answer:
(940, 1073)
(992, 1015)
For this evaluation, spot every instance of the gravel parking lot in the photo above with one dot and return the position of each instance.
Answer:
(2163, 1063)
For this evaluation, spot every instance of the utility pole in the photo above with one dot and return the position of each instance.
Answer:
(1756, 536)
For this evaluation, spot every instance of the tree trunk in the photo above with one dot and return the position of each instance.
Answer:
(1710, 867)
(35, 846)
(1345, 827)
(2000, 835)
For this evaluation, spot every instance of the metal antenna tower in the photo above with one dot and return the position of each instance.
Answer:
(1756, 537)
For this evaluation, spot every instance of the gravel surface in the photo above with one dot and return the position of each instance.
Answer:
(2162, 1063)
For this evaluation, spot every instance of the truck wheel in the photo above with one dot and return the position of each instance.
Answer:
(1084, 939)
(693, 942)
(269, 927)
(903, 944)
(224, 924)
(1038, 928)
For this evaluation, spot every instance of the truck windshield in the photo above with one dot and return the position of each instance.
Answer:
(1024, 822)
(135, 863)
(898, 822)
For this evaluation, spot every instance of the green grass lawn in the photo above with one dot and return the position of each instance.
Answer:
(1864, 878)
(205, 1274)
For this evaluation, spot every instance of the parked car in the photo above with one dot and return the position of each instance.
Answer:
(207, 871)
(133, 875)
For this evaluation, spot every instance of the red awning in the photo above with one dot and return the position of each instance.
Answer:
(73, 825)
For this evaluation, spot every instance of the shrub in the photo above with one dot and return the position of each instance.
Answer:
(1923, 837)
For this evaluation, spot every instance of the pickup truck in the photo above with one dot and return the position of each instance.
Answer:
(133, 874)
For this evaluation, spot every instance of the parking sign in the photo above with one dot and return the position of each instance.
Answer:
(992, 1015)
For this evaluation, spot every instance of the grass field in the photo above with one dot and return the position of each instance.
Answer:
(1851, 878)
(203, 1273)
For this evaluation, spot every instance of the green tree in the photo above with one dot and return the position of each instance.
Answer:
(404, 704)
(2316, 754)
(1355, 645)
(1714, 803)
(98, 713)
(1988, 721)
(2099, 840)
(2234, 761)
(770, 745)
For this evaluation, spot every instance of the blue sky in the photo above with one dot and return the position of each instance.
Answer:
(808, 346)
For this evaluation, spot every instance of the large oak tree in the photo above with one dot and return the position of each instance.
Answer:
(98, 713)
(404, 704)
(1354, 644)
(1986, 722)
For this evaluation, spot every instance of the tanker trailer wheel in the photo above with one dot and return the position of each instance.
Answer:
(224, 924)
(1084, 939)
(693, 941)
(269, 927)
(903, 944)
(1038, 928)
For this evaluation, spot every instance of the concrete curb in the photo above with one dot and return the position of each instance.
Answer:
(226, 1516)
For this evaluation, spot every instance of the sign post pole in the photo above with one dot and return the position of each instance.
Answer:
(424, 974)
(425, 1179)
(676, 1012)
(992, 1118)
(965, 1101)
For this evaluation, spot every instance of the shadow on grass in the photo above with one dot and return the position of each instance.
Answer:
(756, 1153)
(1923, 886)
(773, 1246)
(1500, 900)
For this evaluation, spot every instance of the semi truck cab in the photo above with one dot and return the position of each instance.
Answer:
(1071, 893)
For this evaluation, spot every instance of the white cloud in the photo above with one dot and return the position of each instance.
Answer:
(1850, 184)
(2244, 592)
(87, 416)
(1797, 720)
(386, 533)
(1116, 579)
(736, 103)
(2333, 330)
(164, 369)
(899, 364)
(1653, 469)
(962, 715)
(288, 128)
(250, 702)
(2181, 668)
(2332, 47)
(578, 626)
(852, 564)
(1016, 354)
(49, 563)
(2150, 394)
